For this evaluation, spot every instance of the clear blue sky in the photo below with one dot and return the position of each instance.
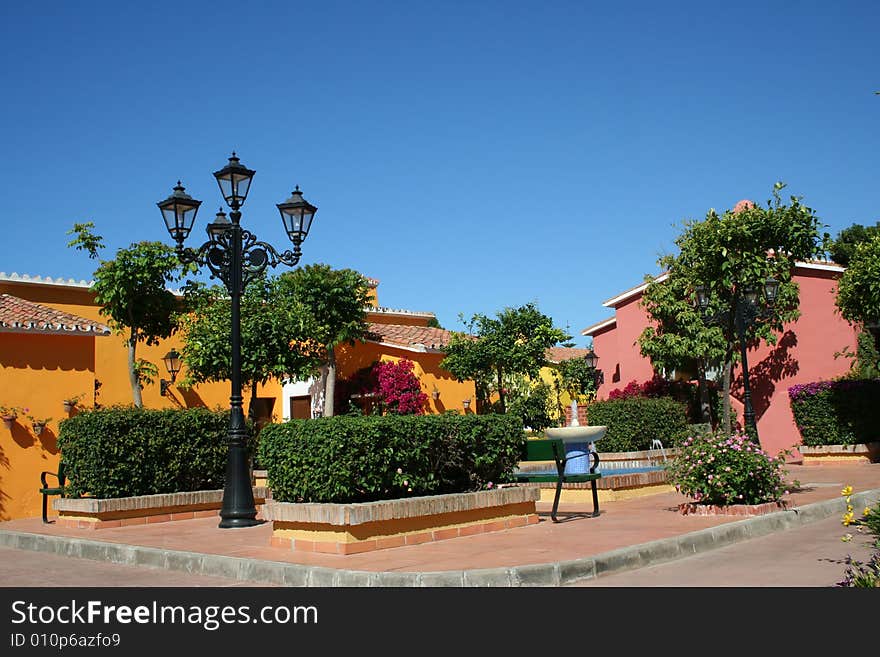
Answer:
(470, 155)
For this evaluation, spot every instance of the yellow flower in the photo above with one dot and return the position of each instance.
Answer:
(846, 492)
(866, 511)
(847, 518)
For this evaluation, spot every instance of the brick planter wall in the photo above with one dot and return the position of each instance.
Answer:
(99, 513)
(354, 528)
(866, 452)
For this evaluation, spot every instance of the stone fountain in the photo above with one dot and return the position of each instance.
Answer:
(579, 442)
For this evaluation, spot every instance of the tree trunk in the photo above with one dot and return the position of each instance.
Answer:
(330, 383)
(132, 374)
(252, 404)
(501, 392)
(725, 406)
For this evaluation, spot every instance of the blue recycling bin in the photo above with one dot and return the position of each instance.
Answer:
(578, 455)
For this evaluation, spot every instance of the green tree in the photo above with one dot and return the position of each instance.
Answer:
(335, 301)
(729, 253)
(576, 378)
(843, 247)
(858, 291)
(275, 336)
(515, 342)
(132, 290)
(679, 339)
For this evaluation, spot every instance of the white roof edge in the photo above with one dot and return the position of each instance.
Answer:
(382, 310)
(623, 296)
(418, 349)
(590, 330)
(40, 280)
(820, 266)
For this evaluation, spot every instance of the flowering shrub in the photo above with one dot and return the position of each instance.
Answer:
(858, 574)
(716, 469)
(840, 412)
(399, 389)
(681, 391)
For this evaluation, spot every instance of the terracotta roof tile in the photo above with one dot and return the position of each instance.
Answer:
(22, 316)
(559, 354)
(409, 337)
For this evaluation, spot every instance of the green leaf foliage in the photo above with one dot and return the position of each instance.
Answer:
(515, 342)
(858, 291)
(366, 458)
(121, 452)
(844, 245)
(276, 334)
(633, 422)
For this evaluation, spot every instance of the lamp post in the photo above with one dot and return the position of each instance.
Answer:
(744, 311)
(236, 257)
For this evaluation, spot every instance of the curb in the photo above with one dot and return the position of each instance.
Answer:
(547, 574)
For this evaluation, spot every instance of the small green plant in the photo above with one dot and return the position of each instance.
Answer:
(73, 400)
(716, 469)
(10, 412)
(859, 574)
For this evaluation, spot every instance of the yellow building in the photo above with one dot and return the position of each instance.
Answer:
(55, 345)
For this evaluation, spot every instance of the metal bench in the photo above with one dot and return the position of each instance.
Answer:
(46, 490)
(553, 449)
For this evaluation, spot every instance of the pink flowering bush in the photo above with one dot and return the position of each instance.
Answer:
(721, 470)
(399, 389)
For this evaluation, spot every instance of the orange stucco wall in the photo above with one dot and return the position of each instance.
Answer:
(39, 371)
(427, 369)
(804, 353)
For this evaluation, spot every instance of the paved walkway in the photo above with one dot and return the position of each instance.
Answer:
(629, 534)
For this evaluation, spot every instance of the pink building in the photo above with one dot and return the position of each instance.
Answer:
(804, 352)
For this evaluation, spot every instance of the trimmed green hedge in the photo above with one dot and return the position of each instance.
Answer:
(361, 459)
(633, 422)
(842, 412)
(120, 452)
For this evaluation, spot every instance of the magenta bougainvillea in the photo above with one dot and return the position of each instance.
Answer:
(399, 389)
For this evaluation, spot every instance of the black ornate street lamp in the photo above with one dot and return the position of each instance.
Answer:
(745, 309)
(236, 257)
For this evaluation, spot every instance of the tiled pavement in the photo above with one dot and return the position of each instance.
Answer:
(629, 534)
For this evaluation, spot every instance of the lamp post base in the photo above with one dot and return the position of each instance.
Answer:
(231, 523)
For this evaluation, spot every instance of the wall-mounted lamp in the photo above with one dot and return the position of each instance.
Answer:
(172, 364)
(592, 361)
(435, 393)
(467, 403)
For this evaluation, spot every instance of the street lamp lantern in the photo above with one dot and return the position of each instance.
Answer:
(592, 359)
(217, 228)
(702, 296)
(179, 211)
(297, 215)
(235, 181)
(236, 257)
(771, 289)
(750, 295)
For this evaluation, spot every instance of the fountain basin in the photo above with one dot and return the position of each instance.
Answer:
(576, 434)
